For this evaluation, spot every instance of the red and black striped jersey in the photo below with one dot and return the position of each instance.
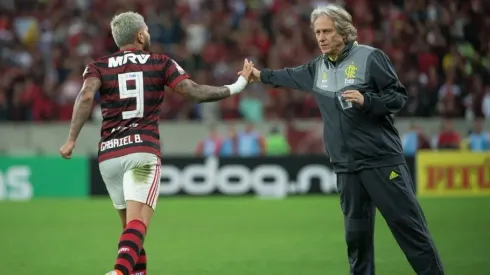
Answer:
(132, 91)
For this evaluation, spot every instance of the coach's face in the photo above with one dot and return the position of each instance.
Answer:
(144, 38)
(329, 40)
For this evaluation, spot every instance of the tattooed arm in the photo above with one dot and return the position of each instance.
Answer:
(201, 93)
(204, 93)
(83, 106)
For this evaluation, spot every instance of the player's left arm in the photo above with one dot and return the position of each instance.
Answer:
(83, 106)
(179, 81)
(203, 93)
(391, 94)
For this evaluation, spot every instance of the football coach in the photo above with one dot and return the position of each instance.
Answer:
(358, 93)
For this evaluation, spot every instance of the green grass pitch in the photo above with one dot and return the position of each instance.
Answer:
(229, 236)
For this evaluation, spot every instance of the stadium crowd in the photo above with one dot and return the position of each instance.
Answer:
(441, 50)
(250, 142)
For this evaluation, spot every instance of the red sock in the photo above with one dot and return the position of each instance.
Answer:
(130, 245)
(140, 267)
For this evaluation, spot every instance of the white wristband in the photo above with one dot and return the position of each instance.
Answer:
(238, 86)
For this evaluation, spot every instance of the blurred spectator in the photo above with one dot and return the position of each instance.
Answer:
(473, 100)
(250, 142)
(414, 140)
(448, 138)
(486, 103)
(478, 140)
(440, 50)
(211, 145)
(229, 145)
(449, 104)
(276, 143)
(251, 107)
(68, 93)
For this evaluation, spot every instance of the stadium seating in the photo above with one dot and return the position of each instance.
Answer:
(441, 52)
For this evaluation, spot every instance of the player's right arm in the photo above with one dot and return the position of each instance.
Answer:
(82, 108)
(205, 93)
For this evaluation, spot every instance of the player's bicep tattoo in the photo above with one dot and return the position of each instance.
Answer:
(83, 106)
(184, 86)
(201, 93)
(90, 87)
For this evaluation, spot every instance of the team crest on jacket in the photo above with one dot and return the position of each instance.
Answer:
(350, 73)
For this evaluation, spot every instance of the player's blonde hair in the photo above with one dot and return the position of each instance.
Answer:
(125, 26)
(341, 18)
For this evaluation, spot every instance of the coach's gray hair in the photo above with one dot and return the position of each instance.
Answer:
(125, 26)
(341, 18)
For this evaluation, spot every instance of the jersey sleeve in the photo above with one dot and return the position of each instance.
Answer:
(174, 73)
(91, 71)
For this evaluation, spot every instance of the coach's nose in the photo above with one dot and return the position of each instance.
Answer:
(321, 38)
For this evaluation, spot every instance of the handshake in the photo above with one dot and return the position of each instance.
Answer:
(247, 75)
(249, 72)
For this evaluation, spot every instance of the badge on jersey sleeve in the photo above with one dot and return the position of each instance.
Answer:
(179, 69)
(86, 71)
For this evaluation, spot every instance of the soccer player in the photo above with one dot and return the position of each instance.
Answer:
(131, 85)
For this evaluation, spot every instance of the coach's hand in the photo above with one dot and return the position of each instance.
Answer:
(255, 74)
(247, 69)
(67, 149)
(354, 96)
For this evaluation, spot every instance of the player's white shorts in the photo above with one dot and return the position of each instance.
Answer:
(134, 177)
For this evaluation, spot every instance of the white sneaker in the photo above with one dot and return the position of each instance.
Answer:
(111, 273)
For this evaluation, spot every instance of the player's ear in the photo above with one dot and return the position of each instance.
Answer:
(141, 37)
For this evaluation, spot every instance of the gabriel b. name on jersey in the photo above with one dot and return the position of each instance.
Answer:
(119, 142)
